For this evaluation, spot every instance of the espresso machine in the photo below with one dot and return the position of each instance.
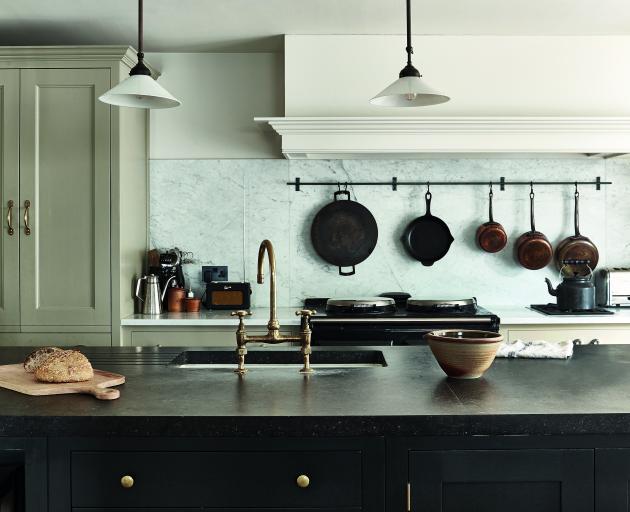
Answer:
(167, 266)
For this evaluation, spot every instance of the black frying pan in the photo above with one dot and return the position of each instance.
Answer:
(344, 233)
(427, 238)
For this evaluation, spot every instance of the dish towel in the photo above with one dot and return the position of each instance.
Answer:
(537, 349)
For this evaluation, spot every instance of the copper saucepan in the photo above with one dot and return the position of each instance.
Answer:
(533, 249)
(577, 248)
(491, 236)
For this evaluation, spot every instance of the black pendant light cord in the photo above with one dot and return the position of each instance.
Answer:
(409, 70)
(140, 68)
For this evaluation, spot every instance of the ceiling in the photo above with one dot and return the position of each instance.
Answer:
(256, 25)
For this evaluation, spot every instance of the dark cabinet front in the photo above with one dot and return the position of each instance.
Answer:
(287, 475)
(612, 480)
(500, 480)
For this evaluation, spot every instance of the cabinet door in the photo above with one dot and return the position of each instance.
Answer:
(65, 174)
(9, 191)
(612, 480)
(500, 480)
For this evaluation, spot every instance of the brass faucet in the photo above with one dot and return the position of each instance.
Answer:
(273, 335)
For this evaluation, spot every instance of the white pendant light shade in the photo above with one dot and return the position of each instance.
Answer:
(408, 91)
(140, 91)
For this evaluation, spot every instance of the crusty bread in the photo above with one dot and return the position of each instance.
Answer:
(36, 358)
(65, 366)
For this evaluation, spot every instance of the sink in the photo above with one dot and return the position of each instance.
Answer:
(280, 359)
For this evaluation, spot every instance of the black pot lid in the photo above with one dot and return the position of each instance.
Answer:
(366, 302)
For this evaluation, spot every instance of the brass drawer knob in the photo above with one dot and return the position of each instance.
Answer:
(303, 481)
(127, 481)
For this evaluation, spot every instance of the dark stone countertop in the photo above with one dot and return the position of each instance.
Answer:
(589, 394)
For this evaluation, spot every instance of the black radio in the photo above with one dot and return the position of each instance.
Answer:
(224, 295)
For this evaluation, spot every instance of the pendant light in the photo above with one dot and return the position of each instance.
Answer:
(140, 90)
(409, 90)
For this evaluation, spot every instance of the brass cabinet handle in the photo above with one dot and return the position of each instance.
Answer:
(303, 481)
(27, 228)
(127, 481)
(10, 217)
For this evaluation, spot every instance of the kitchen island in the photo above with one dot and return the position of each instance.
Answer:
(547, 435)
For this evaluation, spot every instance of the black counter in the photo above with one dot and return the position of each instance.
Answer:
(589, 394)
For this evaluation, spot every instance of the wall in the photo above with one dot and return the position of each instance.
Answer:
(220, 95)
(484, 75)
(222, 209)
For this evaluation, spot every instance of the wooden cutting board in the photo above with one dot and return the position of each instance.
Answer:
(14, 377)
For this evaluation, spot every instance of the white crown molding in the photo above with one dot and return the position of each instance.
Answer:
(407, 137)
(126, 54)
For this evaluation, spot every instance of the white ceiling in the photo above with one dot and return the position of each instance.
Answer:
(256, 25)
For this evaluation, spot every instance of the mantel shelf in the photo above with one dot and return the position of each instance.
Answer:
(417, 137)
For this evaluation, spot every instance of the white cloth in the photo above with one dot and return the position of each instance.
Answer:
(537, 349)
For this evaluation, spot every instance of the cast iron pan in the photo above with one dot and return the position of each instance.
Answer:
(427, 238)
(576, 248)
(344, 233)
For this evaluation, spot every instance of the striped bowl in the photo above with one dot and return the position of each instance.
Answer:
(464, 354)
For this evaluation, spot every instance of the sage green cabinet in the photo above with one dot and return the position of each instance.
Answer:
(64, 176)
(9, 194)
(76, 171)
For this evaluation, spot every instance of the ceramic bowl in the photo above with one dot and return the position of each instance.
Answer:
(464, 354)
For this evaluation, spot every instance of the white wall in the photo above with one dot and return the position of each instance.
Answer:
(220, 95)
(484, 75)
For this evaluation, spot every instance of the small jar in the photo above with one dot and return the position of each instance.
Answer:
(175, 299)
(193, 304)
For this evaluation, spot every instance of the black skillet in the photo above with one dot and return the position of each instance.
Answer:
(427, 238)
(344, 233)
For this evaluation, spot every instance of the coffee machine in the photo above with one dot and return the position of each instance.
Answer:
(166, 265)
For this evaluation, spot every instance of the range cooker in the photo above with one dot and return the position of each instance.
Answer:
(392, 319)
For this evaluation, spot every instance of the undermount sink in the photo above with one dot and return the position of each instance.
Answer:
(218, 359)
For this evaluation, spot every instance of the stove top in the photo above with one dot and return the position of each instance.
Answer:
(344, 308)
(552, 309)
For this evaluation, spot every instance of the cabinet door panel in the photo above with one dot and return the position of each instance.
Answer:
(9, 191)
(612, 480)
(65, 174)
(499, 480)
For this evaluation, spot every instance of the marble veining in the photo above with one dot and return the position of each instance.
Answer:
(221, 210)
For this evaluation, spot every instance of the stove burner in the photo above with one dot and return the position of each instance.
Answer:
(442, 306)
(366, 306)
(552, 309)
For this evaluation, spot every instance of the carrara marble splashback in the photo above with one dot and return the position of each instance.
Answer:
(221, 210)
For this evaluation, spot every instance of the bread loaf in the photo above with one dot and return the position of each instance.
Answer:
(36, 358)
(65, 366)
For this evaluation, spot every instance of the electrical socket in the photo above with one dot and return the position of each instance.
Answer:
(212, 273)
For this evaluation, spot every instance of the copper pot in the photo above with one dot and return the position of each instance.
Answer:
(175, 300)
(491, 235)
(576, 248)
(533, 249)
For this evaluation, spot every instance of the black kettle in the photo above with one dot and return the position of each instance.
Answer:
(574, 293)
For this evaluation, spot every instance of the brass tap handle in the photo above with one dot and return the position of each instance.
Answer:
(27, 228)
(241, 341)
(10, 217)
(305, 339)
(127, 482)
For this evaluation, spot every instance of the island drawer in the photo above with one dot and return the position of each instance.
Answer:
(239, 479)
